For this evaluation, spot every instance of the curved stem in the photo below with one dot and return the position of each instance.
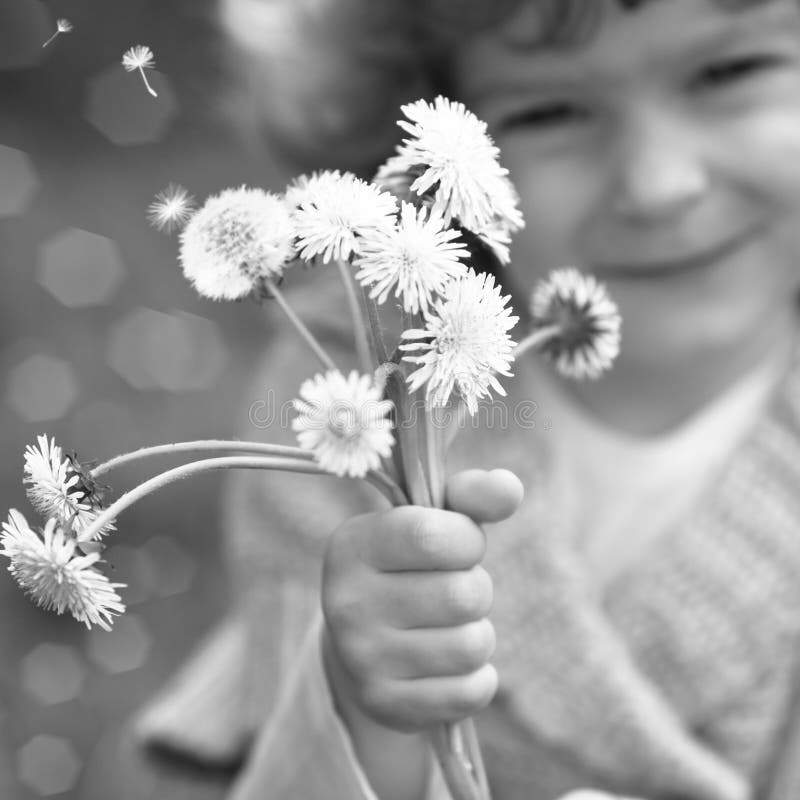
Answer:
(377, 479)
(51, 39)
(201, 445)
(300, 326)
(149, 87)
(360, 329)
(535, 340)
(375, 326)
(461, 782)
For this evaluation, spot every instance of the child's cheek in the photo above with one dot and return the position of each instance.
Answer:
(762, 152)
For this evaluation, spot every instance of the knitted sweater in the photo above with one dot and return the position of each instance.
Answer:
(675, 683)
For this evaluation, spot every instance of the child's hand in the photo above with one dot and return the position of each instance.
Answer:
(406, 602)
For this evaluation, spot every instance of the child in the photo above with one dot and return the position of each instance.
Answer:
(645, 606)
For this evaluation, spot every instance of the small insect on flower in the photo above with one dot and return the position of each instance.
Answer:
(62, 26)
(587, 323)
(48, 569)
(333, 211)
(59, 486)
(140, 57)
(235, 241)
(465, 343)
(417, 257)
(171, 208)
(345, 422)
(457, 169)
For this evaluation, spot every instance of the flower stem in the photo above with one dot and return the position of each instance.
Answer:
(201, 445)
(377, 479)
(149, 87)
(534, 340)
(459, 772)
(360, 329)
(375, 326)
(51, 39)
(300, 326)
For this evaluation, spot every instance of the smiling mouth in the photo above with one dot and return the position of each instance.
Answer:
(705, 258)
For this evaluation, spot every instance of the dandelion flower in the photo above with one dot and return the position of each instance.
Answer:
(465, 343)
(418, 257)
(59, 486)
(333, 211)
(457, 165)
(62, 26)
(140, 57)
(236, 240)
(344, 421)
(171, 208)
(48, 569)
(589, 323)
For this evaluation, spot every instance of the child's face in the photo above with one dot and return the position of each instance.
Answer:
(663, 156)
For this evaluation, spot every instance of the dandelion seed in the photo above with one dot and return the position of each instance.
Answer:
(457, 166)
(465, 343)
(140, 57)
(62, 26)
(47, 568)
(345, 422)
(234, 241)
(59, 486)
(171, 208)
(333, 211)
(417, 257)
(589, 323)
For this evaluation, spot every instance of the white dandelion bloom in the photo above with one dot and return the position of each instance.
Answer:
(47, 568)
(234, 241)
(140, 57)
(59, 486)
(589, 323)
(332, 211)
(465, 343)
(417, 257)
(345, 422)
(171, 208)
(63, 25)
(456, 163)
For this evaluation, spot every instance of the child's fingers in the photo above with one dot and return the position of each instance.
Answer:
(414, 538)
(485, 496)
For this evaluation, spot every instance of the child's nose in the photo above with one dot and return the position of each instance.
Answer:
(659, 172)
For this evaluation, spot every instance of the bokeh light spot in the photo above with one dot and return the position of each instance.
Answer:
(123, 648)
(120, 107)
(80, 268)
(52, 673)
(48, 765)
(41, 388)
(175, 352)
(18, 181)
(172, 567)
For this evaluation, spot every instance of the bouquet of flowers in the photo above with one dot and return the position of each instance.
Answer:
(436, 208)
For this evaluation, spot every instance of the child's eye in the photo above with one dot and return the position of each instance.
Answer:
(735, 70)
(548, 115)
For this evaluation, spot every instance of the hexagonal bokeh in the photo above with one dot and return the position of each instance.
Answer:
(176, 352)
(41, 388)
(52, 673)
(123, 648)
(24, 27)
(80, 268)
(120, 107)
(18, 183)
(172, 566)
(48, 765)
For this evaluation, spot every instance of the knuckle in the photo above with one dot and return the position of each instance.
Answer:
(468, 594)
(476, 642)
(426, 538)
(477, 690)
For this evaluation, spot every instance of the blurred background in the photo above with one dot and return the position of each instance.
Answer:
(105, 346)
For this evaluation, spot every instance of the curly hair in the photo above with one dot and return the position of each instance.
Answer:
(324, 78)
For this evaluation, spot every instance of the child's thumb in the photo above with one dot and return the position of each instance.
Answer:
(485, 496)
